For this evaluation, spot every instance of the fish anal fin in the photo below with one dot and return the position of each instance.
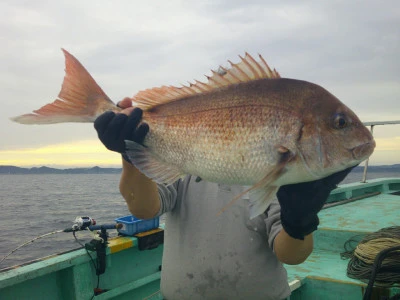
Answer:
(152, 166)
(248, 69)
(80, 100)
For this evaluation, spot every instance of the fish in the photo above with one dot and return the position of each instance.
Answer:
(246, 125)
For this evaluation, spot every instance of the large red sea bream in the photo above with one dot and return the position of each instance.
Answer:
(245, 126)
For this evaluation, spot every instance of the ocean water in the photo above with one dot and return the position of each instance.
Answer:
(32, 205)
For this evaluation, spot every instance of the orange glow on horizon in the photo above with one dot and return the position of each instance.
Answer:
(89, 153)
(85, 153)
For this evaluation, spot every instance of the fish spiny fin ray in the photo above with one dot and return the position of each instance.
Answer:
(152, 166)
(248, 69)
(80, 99)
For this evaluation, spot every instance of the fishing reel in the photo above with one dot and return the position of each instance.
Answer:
(81, 223)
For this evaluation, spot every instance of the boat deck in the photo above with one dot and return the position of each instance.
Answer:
(325, 270)
(135, 274)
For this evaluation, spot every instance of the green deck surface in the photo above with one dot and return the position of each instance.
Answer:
(366, 215)
(324, 269)
(130, 274)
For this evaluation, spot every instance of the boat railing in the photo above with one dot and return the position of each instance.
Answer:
(372, 124)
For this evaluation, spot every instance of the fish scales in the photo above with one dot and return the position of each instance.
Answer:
(229, 136)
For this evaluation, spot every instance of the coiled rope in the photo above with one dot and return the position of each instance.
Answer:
(362, 264)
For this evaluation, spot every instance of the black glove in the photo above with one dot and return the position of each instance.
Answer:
(113, 129)
(301, 202)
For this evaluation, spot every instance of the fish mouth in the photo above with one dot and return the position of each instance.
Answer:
(363, 151)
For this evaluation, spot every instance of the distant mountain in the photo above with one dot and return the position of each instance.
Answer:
(385, 168)
(47, 170)
(99, 170)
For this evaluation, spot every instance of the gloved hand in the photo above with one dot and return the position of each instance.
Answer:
(301, 202)
(113, 129)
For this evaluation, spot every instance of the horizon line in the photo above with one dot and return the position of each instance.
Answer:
(64, 167)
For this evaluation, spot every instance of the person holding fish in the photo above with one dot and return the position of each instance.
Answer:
(265, 150)
(218, 257)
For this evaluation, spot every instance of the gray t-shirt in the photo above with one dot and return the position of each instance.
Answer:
(210, 256)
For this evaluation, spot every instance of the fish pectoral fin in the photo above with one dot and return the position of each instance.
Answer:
(152, 166)
(260, 199)
(261, 194)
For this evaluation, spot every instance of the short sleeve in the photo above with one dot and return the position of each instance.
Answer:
(168, 196)
(273, 221)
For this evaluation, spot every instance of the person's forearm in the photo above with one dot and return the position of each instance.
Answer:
(139, 192)
(292, 251)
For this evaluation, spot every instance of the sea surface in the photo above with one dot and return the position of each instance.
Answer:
(33, 205)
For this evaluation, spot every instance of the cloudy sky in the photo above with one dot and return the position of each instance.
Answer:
(351, 48)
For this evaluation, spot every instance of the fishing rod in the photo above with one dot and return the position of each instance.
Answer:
(80, 224)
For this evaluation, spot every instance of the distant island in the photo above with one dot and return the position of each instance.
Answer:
(11, 170)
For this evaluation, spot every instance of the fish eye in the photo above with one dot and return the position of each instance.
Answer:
(340, 121)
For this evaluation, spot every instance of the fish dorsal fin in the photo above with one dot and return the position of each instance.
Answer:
(248, 69)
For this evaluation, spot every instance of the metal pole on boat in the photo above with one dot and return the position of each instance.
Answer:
(372, 124)
(366, 162)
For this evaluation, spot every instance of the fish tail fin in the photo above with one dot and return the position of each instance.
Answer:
(80, 99)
